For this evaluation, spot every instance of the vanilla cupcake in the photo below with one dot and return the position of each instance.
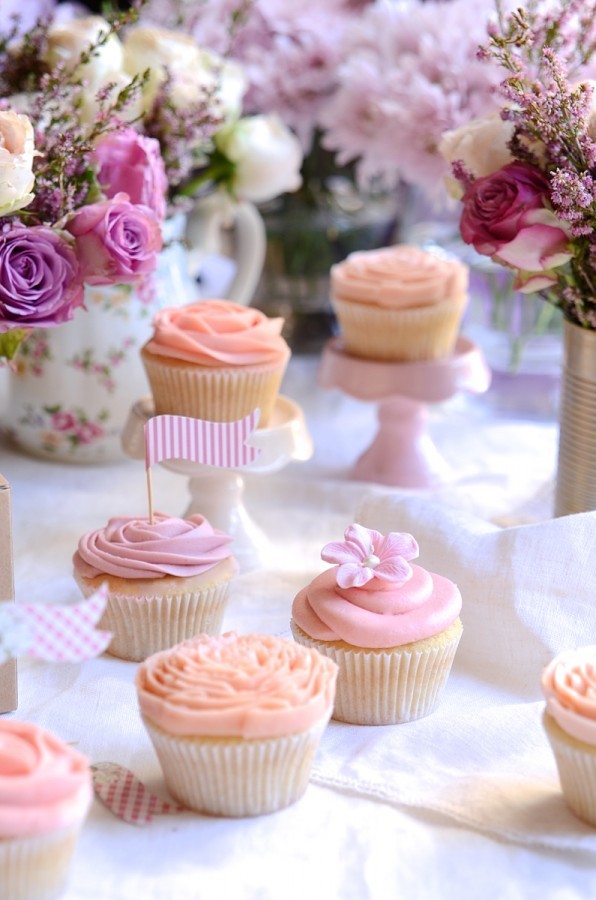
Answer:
(215, 360)
(167, 580)
(236, 720)
(392, 628)
(569, 685)
(399, 303)
(45, 793)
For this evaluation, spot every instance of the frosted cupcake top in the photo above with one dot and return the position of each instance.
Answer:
(569, 685)
(374, 598)
(249, 686)
(218, 333)
(133, 548)
(398, 277)
(45, 785)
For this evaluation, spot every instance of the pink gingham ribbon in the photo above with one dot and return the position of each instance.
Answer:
(58, 633)
(127, 797)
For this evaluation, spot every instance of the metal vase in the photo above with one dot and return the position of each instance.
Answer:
(576, 470)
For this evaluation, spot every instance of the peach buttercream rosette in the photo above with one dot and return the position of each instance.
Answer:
(393, 629)
(167, 580)
(215, 360)
(45, 793)
(236, 720)
(569, 686)
(399, 303)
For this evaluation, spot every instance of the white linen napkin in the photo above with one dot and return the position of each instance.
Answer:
(482, 758)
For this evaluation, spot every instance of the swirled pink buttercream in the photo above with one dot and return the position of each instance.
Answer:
(218, 333)
(135, 548)
(569, 685)
(249, 686)
(45, 785)
(398, 277)
(380, 613)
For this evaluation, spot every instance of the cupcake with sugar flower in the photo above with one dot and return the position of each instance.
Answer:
(569, 687)
(167, 579)
(399, 303)
(391, 627)
(215, 360)
(45, 794)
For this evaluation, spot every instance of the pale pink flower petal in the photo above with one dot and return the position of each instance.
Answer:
(399, 544)
(353, 576)
(340, 552)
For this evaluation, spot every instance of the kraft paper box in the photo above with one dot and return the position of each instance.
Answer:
(8, 670)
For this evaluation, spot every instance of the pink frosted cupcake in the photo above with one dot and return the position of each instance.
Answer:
(236, 720)
(167, 581)
(215, 360)
(392, 628)
(569, 685)
(399, 303)
(45, 793)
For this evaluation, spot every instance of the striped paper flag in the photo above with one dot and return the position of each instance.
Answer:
(211, 443)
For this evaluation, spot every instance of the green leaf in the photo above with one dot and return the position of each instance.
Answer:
(10, 342)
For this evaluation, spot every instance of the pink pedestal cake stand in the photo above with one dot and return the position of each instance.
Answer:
(218, 494)
(402, 453)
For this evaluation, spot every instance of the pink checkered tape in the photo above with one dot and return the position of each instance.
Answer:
(127, 797)
(58, 633)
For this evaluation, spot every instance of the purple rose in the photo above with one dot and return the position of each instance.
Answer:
(40, 278)
(132, 163)
(505, 217)
(117, 242)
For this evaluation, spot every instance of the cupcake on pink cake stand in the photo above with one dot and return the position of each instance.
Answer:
(399, 311)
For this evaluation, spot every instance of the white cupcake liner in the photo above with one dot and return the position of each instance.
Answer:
(36, 868)
(576, 763)
(386, 687)
(216, 395)
(142, 625)
(405, 335)
(236, 777)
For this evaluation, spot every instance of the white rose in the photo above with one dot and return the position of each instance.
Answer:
(194, 73)
(481, 145)
(268, 157)
(16, 162)
(67, 40)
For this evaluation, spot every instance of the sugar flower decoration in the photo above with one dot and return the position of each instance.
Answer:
(366, 554)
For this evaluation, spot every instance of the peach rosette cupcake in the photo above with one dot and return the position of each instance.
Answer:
(215, 360)
(236, 720)
(399, 303)
(45, 794)
(569, 686)
(393, 629)
(167, 580)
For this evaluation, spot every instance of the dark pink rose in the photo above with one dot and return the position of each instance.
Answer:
(505, 216)
(132, 163)
(117, 242)
(40, 279)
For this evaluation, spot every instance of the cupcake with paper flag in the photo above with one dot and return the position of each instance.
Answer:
(167, 579)
(45, 794)
(236, 719)
(391, 627)
(569, 686)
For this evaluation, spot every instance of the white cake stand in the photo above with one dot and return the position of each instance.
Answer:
(218, 493)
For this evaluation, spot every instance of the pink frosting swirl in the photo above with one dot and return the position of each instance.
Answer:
(398, 277)
(135, 548)
(569, 685)
(218, 333)
(249, 686)
(45, 785)
(379, 613)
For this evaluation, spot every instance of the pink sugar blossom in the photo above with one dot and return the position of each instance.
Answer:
(366, 554)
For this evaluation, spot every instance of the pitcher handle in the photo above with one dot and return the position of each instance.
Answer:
(205, 221)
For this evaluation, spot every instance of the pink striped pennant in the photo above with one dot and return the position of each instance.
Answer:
(220, 444)
(65, 633)
(127, 797)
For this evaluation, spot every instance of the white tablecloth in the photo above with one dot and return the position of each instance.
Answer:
(346, 838)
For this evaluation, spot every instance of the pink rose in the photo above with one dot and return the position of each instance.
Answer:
(116, 241)
(63, 421)
(505, 217)
(132, 163)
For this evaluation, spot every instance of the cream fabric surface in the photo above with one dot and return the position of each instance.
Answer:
(423, 810)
